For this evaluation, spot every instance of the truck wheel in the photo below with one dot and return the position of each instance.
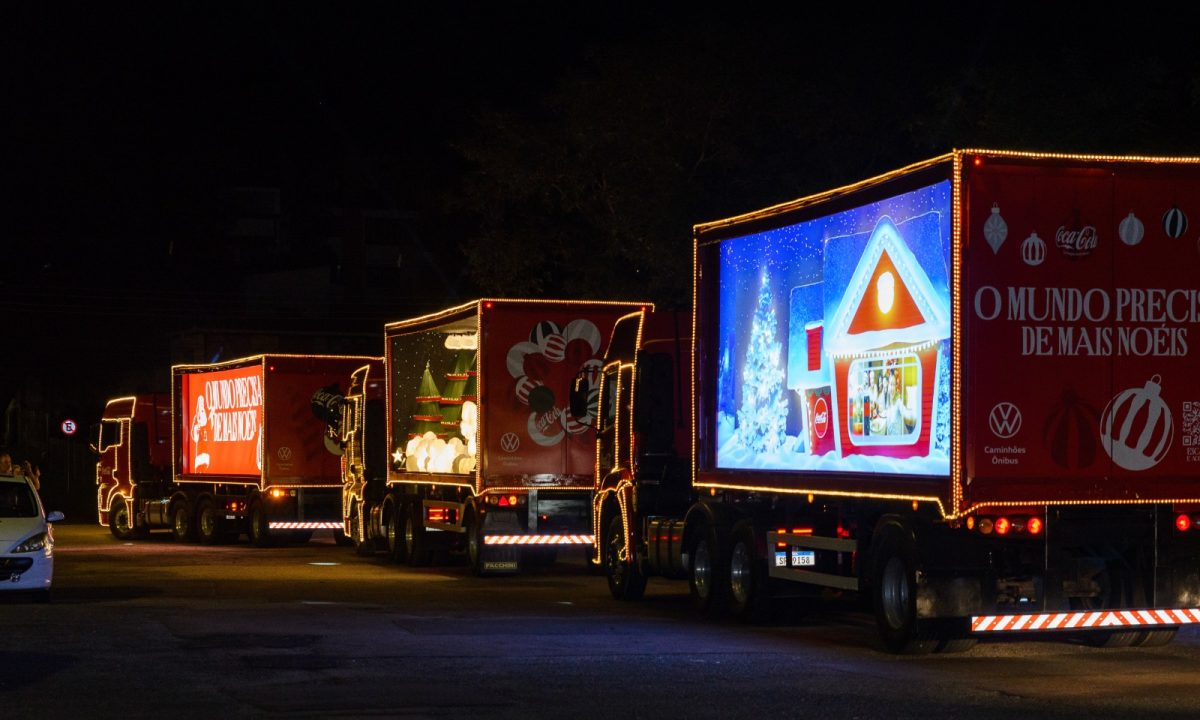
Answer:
(207, 529)
(260, 529)
(395, 534)
(474, 542)
(120, 520)
(709, 570)
(894, 591)
(625, 578)
(749, 593)
(1116, 591)
(362, 546)
(956, 644)
(182, 527)
(416, 542)
(1155, 638)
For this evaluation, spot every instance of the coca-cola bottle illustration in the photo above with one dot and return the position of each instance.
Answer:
(1136, 428)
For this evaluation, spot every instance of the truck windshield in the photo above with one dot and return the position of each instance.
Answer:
(16, 500)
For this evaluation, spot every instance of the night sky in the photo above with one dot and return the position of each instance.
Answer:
(125, 126)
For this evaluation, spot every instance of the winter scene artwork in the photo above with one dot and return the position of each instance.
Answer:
(835, 341)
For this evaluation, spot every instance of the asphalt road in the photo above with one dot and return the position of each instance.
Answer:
(155, 629)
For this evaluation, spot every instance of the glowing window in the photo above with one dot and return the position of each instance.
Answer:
(884, 403)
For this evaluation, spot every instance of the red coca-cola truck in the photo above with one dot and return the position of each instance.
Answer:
(461, 438)
(964, 389)
(238, 447)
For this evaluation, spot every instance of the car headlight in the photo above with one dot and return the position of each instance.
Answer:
(33, 543)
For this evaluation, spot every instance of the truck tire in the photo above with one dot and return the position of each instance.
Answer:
(626, 581)
(1155, 638)
(474, 542)
(120, 520)
(894, 592)
(955, 644)
(749, 590)
(208, 528)
(707, 576)
(394, 527)
(362, 546)
(182, 527)
(260, 528)
(416, 542)
(1116, 591)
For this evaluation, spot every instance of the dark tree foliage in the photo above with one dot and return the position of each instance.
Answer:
(593, 191)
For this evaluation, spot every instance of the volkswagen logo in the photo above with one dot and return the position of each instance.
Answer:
(284, 453)
(509, 442)
(1004, 420)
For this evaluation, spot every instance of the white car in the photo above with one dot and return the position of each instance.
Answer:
(26, 539)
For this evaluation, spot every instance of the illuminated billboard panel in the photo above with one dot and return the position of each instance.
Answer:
(222, 415)
(834, 341)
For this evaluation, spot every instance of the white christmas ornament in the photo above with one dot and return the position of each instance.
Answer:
(1033, 250)
(469, 426)
(1136, 427)
(995, 230)
(1131, 230)
(554, 347)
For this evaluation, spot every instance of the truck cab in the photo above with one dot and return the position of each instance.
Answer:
(643, 449)
(133, 442)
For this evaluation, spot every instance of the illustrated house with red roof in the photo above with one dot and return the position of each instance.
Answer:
(883, 341)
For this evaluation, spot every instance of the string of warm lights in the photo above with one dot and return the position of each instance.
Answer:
(1079, 157)
(106, 492)
(887, 352)
(956, 407)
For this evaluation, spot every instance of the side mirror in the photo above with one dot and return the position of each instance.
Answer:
(55, 516)
(578, 398)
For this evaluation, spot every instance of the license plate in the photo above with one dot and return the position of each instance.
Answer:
(804, 558)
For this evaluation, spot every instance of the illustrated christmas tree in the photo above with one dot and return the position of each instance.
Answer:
(941, 432)
(470, 391)
(725, 381)
(452, 399)
(762, 418)
(427, 416)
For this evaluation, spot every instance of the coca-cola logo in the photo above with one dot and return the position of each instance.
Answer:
(1075, 243)
(820, 417)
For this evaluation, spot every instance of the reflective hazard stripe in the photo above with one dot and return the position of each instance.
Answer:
(326, 525)
(1144, 617)
(537, 539)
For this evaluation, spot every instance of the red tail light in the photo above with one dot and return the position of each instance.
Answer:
(1002, 526)
(441, 515)
(1034, 526)
(503, 501)
(1183, 523)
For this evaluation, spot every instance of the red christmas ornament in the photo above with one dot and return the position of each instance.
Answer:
(1070, 432)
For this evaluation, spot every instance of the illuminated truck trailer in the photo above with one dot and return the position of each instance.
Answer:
(462, 438)
(248, 453)
(966, 389)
